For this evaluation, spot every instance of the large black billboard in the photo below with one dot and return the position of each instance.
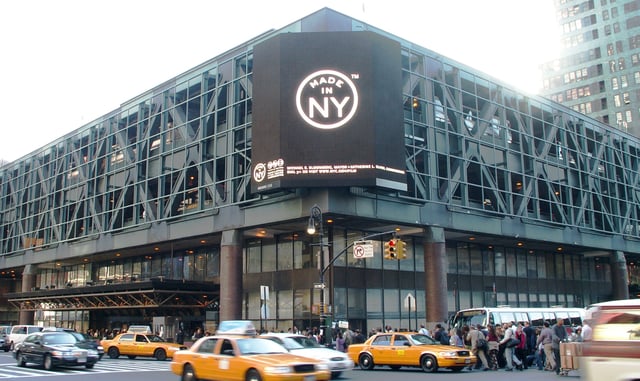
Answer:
(327, 111)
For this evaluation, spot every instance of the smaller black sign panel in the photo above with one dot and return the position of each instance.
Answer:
(327, 112)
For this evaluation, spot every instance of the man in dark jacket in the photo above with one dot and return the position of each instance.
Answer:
(559, 335)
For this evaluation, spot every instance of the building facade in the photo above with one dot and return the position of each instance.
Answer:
(599, 71)
(191, 201)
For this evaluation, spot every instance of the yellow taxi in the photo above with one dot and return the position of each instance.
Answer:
(231, 355)
(409, 349)
(133, 344)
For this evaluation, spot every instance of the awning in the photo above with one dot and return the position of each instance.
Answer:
(153, 293)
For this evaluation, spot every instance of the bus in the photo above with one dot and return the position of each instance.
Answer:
(536, 316)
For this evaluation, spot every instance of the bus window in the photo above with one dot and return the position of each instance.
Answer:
(564, 316)
(507, 317)
(575, 319)
(536, 319)
(521, 317)
(550, 317)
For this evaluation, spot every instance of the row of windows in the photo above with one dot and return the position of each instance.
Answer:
(191, 265)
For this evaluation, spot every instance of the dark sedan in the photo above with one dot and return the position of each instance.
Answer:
(51, 349)
(87, 342)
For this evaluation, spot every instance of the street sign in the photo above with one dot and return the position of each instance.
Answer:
(363, 249)
(319, 285)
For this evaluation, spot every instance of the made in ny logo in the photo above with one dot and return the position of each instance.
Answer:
(327, 99)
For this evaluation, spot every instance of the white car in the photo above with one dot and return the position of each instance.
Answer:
(300, 345)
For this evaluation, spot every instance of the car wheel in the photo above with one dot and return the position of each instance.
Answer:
(188, 374)
(47, 363)
(20, 360)
(335, 375)
(428, 363)
(160, 354)
(113, 352)
(89, 366)
(131, 357)
(253, 375)
(366, 362)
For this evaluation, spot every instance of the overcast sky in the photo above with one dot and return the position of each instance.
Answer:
(67, 62)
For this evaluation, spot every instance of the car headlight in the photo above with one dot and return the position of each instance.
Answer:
(92, 352)
(100, 348)
(60, 353)
(277, 369)
(322, 366)
(449, 354)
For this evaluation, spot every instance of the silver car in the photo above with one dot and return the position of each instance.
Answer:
(304, 346)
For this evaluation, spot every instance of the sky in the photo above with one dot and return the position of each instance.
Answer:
(65, 63)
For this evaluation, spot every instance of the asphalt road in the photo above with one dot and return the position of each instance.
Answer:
(149, 369)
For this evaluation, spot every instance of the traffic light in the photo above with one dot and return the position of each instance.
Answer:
(391, 249)
(401, 248)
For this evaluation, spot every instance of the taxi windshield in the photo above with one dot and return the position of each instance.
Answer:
(422, 339)
(305, 342)
(254, 346)
(155, 339)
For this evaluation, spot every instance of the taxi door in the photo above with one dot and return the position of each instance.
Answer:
(229, 364)
(141, 346)
(381, 350)
(205, 362)
(125, 344)
(402, 353)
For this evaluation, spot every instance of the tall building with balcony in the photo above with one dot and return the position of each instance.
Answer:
(598, 73)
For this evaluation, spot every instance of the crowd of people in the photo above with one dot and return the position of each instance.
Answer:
(519, 346)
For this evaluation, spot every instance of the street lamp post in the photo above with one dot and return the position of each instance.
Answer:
(315, 217)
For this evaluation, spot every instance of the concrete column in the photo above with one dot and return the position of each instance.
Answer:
(435, 272)
(619, 276)
(231, 275)
(28, 282)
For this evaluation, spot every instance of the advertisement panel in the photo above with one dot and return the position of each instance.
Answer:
(327, 112)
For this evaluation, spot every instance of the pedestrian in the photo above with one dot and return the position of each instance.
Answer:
(476, 337)
(545, 338)
(340, 343)
(508, 348)
(559, 335)
(492, 340)
(423, 330)
(521, 347)
(455, 339)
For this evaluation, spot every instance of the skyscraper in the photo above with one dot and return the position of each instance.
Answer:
(598, 73)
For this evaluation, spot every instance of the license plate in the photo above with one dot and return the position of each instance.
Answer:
(467, 361)
(309, 378)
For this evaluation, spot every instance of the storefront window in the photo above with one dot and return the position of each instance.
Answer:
(285, 253)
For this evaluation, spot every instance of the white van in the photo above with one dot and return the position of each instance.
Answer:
(613, 354)
(19, 332)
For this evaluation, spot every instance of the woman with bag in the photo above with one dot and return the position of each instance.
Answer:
(521, 348)
(509, 343)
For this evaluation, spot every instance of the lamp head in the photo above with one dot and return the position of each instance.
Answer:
(311, 226)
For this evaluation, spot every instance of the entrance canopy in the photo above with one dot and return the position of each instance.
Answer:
(153, 293)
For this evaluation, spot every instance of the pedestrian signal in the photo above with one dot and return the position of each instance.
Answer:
(391, 249)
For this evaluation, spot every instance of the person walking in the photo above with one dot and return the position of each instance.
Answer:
(545, 338)
(493, 339)
(559, 335)
(508, 349)
(475, 336)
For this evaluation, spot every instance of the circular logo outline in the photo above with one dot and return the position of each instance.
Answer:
(260, 172)
(346, 118)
